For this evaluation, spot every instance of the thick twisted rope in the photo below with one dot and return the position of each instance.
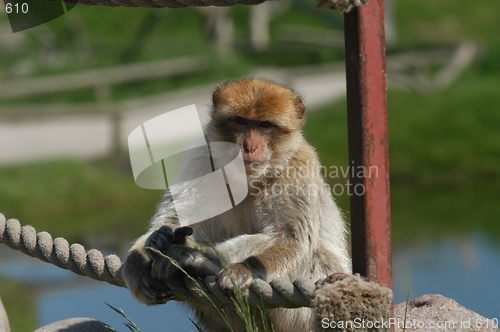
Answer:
(278, 293)
(60, 253)
(343, 6)
(163, 3)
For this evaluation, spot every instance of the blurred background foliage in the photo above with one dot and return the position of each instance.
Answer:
(440, 143)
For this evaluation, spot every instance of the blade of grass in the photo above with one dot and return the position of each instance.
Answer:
(130, 324)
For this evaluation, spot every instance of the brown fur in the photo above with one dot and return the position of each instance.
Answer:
(259, 100)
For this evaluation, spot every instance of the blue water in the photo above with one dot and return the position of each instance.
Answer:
(88, 301)
(465, 269)
(62, 294)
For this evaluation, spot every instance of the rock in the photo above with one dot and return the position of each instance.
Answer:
(4, 320)
(75, 325)
(343, 302)
(436, 313)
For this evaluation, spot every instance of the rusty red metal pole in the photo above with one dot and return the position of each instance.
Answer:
(368, 142)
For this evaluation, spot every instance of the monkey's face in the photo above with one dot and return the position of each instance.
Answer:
(254, 139)
(263, 118)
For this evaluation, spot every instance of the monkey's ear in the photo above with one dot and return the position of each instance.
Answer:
(216, 97)
(300, 108)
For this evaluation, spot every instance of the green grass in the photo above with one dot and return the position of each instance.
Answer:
(433, 211)
(19, 302)
(447, 21)
(74, 199)
(448, 137)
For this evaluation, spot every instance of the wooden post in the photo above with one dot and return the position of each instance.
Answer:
(368, 142)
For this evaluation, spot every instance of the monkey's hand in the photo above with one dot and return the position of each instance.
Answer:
(137, 270)
(163, 237)
(235, 276)
(196, 262)
(136, 273)
(165, 241)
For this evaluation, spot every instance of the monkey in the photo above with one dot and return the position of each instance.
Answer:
(288, 225)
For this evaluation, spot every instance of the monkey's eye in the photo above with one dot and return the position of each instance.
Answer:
(265, 124)
(239, 120)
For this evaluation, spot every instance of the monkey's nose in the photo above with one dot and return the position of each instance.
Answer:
(250, 149)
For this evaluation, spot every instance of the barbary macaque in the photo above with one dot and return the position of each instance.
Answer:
(288, 225)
